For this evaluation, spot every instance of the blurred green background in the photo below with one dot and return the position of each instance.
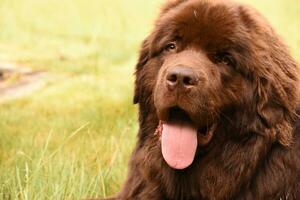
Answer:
(72, 138)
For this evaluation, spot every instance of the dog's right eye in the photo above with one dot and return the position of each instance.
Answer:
(171, 47)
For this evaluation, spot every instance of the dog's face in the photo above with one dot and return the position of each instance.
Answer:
(201, 71)
(206, 60)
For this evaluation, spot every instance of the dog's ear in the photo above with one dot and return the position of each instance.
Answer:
(274, 114)
(142, 60)
(277, 93)
(276, 78)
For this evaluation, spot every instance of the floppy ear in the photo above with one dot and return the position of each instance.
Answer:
(143, 59)
(277, 94)
(276, 80)
(273, 113)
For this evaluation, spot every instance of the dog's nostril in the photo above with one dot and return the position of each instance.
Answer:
(172, 78)
(188, 81)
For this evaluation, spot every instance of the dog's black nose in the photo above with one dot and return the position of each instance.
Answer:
(183, 77)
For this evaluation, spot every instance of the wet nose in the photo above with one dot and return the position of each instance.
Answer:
(183, 77)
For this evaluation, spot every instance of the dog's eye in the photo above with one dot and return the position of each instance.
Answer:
(224, 58)
(171, 47)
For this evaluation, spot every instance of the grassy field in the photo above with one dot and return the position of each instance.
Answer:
(73, 138)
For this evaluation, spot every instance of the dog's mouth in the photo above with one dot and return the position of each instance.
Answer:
(180, 137)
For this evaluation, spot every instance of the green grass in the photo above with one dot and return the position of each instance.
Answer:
(73, 138)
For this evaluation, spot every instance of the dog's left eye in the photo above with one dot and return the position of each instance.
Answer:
(171, 47)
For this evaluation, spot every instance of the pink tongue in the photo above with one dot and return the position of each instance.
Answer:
(179, 144)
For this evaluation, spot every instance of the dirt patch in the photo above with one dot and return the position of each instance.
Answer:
(18, 81)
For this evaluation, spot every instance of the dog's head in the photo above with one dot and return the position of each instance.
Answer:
(212, 62)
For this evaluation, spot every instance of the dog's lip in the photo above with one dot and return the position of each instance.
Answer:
(204, 138)
(175, 114)
(179, 115)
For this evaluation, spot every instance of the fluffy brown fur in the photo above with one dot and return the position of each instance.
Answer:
(248, 87)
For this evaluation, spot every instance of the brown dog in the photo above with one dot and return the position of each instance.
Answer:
(218, 97)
